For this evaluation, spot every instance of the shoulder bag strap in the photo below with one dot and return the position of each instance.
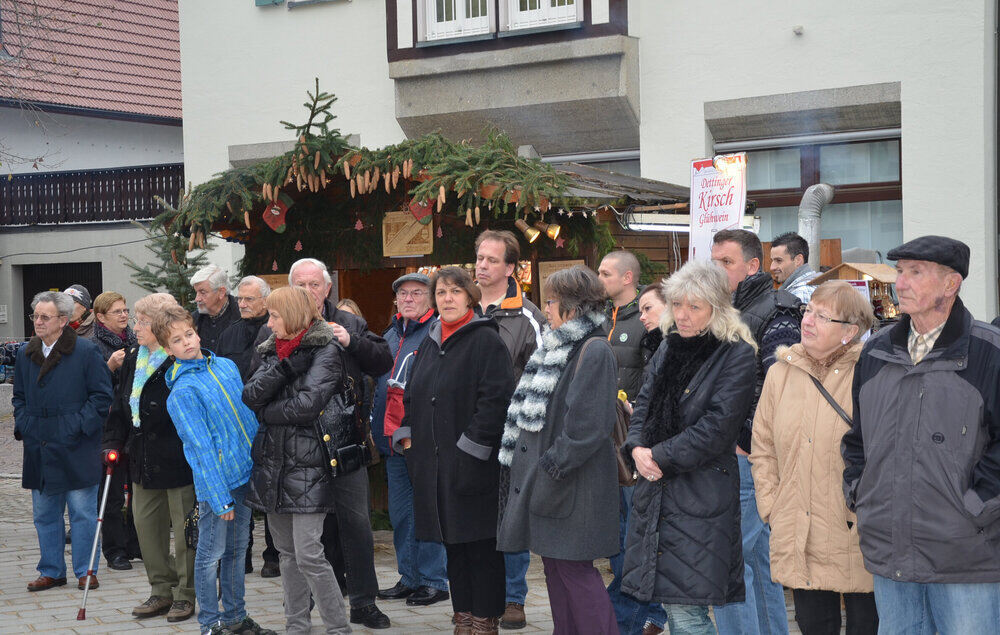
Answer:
(833, 402)
(579, 359)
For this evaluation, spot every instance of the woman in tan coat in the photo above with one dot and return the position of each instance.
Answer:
(798, 468)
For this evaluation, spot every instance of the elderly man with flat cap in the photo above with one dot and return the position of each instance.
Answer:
(922, 460)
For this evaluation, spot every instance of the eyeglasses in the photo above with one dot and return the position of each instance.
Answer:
(118, 312)
(138, 322)
(41, 317)
(416, 295)
(245, 299)
(807, 309)
(551, 302)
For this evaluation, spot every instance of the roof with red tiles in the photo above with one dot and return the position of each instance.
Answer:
(111, 55)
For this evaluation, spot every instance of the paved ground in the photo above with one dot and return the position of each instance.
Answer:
(109, 607)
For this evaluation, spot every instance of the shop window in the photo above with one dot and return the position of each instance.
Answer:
(876, 162)
(774, 169)
(876, 225)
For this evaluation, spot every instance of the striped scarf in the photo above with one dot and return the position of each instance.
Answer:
(146, 364)
(530, 402)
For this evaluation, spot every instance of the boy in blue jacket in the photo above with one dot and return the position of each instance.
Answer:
(217, 430)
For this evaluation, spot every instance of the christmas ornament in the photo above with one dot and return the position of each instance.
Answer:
(274, 214)
(560, 242)
(298, 245)
(421, 210)
(439, 233)
(274, 266)
(359, 225)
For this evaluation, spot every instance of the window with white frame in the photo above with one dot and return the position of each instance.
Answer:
(445, 19)
(531, 14)
(451, 19)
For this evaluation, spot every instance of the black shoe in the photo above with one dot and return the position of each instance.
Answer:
(397, 592)
(119, 563)
(270, 570)
(248, 568)
(425, 596)
(69, 537)
(370, 616)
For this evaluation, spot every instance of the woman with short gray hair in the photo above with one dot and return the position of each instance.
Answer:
(562, 502)
(682, 435)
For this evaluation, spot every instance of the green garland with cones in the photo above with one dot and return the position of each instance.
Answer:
(338, 195)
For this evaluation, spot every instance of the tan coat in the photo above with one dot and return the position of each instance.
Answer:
(798, 471)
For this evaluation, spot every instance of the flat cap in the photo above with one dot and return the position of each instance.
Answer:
(410, 277)
(940, 249)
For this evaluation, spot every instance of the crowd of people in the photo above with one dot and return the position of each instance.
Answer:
(773, 441)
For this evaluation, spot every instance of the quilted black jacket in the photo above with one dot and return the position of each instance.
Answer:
(290, 472)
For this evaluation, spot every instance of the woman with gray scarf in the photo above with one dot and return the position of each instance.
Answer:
(563, 498)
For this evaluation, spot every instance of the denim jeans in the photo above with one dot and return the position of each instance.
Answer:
(48, 515)
(419, 563)
(630, 614)
(923, 609)
(516, 568)
(764, 610)
(221, 554)
(686, 619)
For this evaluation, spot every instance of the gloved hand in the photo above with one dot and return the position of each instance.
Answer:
(17, 434)
(296, 364)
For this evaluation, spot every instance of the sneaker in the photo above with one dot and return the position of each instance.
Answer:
(249, 627)
(155, 605)
(180, 611)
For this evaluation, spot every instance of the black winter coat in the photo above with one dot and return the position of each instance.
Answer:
(684, 544)
(456, 404)
(625, 333)
(290, 471)
(155, 452)
(237, 343)
(210, 328)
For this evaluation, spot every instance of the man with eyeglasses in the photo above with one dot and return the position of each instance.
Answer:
(216, 307)
(236, 343)
(773, 317)
(422, 566)
(62, 392)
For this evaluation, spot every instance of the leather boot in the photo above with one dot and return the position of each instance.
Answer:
(463, 623)
(485, 625)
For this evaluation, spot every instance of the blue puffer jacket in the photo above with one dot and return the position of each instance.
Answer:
(215, 426)
(60, 403)
(404, 338)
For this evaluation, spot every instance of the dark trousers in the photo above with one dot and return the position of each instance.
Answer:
(270, 552)
(579, 601)
(818, 612)
(477, 577)
(354, 552)
(118, 529)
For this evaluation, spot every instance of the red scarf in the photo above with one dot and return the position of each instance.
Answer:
(285, 347)
(447, 328)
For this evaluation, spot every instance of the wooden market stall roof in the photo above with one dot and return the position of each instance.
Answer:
(588, 181)
(857, 270)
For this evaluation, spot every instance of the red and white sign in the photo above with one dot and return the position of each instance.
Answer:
(718, 200)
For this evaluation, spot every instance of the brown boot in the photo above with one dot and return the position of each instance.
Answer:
(485, 625)
(463, 623)
(513, 616)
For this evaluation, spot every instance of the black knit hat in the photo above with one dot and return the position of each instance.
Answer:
(80, 295)
(945, 251)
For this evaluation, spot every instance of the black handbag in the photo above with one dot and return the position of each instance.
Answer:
(339, 430)
(191, 527)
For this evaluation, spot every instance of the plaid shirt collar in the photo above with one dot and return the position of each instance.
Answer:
(919, 345)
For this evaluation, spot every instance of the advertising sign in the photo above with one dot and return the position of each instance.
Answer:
(718, 200)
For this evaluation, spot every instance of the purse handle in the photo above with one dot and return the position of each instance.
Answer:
(833, 403)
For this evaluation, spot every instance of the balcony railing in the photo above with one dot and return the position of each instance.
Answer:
(449, 19)
(89, 196)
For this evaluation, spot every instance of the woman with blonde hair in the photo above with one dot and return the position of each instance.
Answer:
(141, 430)
(300, 374)
(683, 547)
(804, 411)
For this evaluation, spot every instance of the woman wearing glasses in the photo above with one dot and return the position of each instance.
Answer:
(803, 412)
(112, 333)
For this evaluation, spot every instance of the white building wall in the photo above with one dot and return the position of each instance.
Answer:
(245, 68)
(73, 142)
(942, 53)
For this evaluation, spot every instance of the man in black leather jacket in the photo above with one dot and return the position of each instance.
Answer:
(773, 318)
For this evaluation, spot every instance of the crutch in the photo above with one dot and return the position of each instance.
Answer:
(110, 459)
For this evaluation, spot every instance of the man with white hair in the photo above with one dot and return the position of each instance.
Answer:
(217, 309)
(62, 392)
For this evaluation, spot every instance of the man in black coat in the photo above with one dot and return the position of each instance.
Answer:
(365, 354)
(773, 318)
(237, 343)
(217, 309)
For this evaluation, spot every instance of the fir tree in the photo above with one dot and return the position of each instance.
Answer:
(172, 265)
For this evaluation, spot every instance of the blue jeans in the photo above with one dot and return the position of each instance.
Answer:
(419, 563)
(48, 515)
(685, 619)
(222, 548)
(516, 568)
(631, 614)
(921, 609)
(764, 610)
